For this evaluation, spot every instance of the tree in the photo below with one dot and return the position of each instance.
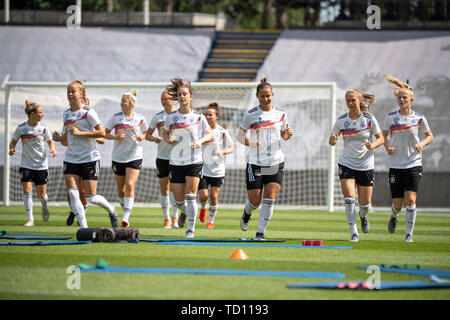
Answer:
(265, 20)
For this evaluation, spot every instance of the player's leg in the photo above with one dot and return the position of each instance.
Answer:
(203, 197)
(193, 174)
(364, 183)
(177, 185)
(213, 205)
(119, 174)
(164, 199)
(271, 190)
(27, 188)
(255, 186)
(131, 177)
(348, 191)
(41, 191)
(413, 178)
(397, 188)
(90, 179)
(73, 183)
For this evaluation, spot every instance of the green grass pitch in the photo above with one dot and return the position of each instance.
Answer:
(39, 272)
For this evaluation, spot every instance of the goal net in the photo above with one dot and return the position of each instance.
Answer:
(310, 179)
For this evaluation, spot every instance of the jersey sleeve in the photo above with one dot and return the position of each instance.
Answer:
(387, 124)
(110, 124)
(92, 118)
(47, 134)
(167, 123)
(203, 125)
(17, 134)
(245, 123)
(153, 123)
(336, 128)
(375, 126)
(228, 139)
(424, 125)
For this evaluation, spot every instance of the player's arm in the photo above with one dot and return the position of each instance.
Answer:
(378, 142)
(51, 145)
(389, 149)
(168, 138)
(98, 132)
(100, 140)
(241, 138)
(287, 133)
(428, 138)
(12, 147)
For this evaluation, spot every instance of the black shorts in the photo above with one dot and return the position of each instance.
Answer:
(401, 180)
(87, 171)
(162, 168)
(365, 178)
(120, 168)
(38, 177)
(210, 181)
(258, 176)
(178, 174)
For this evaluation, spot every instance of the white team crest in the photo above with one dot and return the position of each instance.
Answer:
(392, 179)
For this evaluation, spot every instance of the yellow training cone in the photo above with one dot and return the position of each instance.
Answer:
(239, 254)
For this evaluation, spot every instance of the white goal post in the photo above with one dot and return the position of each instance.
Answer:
(310, 178)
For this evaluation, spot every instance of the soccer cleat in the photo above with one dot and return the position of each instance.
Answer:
(125, 223)
(244, 221)
(70, 218)
(408, 238)
(166, 224)
(210, 225)
(45, 214)
(202, 215)
(260, 236)
(355, 237)
(29, 223)
(175, 222)
(189, 234)
(392, 224)
(182, 219)
(114, 220)
(365, 226)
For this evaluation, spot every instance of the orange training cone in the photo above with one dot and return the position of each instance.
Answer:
(239, 254)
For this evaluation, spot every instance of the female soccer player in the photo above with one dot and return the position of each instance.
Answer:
(265, 160)
(34, 163)
(356, 162)
(162, 159)
(213, 171)
(82, 127)
(401, 140)
(127, 154)
(186, 131)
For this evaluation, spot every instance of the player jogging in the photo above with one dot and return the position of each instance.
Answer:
(34, 163)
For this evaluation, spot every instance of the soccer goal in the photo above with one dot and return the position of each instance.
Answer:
(310, 179)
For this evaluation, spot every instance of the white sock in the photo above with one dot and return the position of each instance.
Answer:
(121, 202)
(363, 210)
(174, 205)
(410, 218)
(212, 213)
(164, 200)
(85, 208)
(350, 212)
(191, 211)
(394, 212)
(77, 207)
(127, 207)
(203, 205)
(100, 201)
(249, 208)
(28, 203)
(265, 214)
(44, 201)
(181, 205)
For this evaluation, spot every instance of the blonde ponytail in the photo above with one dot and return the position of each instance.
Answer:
(30, 107)
(400, 85)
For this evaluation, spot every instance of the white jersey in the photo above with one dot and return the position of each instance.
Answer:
(81, 149)
(265, 127)
(128, 149)
(157, 123)
(34, 154)
(187, 128)
(404, 134)
(355, 154)
(213, 165)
